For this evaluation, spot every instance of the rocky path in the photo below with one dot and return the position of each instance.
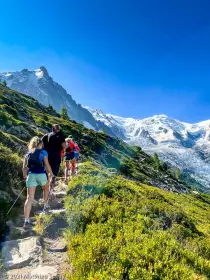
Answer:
(40, 253)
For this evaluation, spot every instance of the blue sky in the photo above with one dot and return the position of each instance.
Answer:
(131, 58)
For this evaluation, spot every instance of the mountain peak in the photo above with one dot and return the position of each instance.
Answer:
(44, 70)
(161, 116)
(41, 72)
(25, 70)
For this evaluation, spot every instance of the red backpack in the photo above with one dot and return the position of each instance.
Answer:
(70, 146)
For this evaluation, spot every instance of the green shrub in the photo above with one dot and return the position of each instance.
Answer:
(10, 178)
(123, 230)
(39, 121)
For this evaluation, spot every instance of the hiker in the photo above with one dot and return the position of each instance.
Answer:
(76, 155)
(35, 166)
(69, 157)
(54, 143)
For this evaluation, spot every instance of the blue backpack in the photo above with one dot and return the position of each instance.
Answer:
(33, 160)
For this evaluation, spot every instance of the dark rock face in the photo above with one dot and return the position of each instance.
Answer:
(145, 134)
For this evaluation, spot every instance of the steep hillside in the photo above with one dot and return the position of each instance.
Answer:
(22, 117)
(122, 229)
(184, 145)
(39, 84)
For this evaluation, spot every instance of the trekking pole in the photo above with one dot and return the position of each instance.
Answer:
(52, 185)
(15, 201)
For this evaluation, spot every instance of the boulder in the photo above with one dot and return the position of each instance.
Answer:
(55, 229)
(19, 221)
(22, 252)
(35, 206)
(2, 275)
(19, 232)
(55, 204)
(16, 230)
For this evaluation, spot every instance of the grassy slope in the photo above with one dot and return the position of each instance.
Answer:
(121, 229)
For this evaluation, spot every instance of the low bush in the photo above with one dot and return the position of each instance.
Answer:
(10, 182)
(120, 229)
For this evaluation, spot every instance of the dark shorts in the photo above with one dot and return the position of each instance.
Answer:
(55, 165)
(69, 156)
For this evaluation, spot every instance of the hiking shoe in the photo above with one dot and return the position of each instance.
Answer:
(46, 209)
(27, 225)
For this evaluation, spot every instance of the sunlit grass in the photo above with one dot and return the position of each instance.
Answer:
(134, 230)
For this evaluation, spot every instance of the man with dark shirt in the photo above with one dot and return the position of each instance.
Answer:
(54, 143)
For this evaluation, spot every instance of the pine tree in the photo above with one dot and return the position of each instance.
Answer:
(50, 107)
(164, 166)
(178, 174)
(4, 83)
(156, 161)
(104, 131)
(64, 113)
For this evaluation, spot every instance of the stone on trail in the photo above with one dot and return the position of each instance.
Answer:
(61, 211)
(40, 272)
(55, 204)
(35, 206)
(22, 252)
(60, 186)
(44, 272)
(19, 233)
(60, 194)
(2, 275)
(16, 230)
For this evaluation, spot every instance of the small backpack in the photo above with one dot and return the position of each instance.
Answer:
(33, 160)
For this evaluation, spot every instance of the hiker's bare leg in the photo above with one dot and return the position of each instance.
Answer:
(70, 168)
(66, 169)
(76, 164)
(45, 192)
(73, 168)
(28, 203)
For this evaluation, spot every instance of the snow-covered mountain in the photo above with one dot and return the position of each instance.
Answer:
(38, 84)
(184, 145)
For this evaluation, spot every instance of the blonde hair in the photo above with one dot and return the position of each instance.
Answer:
(34, 143)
